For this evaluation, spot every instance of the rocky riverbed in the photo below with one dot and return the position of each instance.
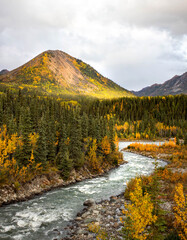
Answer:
(104, 216)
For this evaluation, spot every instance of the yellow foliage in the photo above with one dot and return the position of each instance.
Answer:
(138, 135)
(92, 157)
(139, 214)
(95, 228)
(105, 145)
(116, 141)
(33, 139)
(180, 211)
(10, 170)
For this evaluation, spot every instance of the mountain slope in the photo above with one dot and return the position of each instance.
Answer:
(58, 73)
(174, 86)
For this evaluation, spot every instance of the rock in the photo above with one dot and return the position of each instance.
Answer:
(89, 220)
(112, 200)
(89, 202)
(116, 225)
(84, 215)
(95, 212)
(55, 230)
(90, 236)
(82, 232)
(98, 219)
(166, 206)
(118, 212)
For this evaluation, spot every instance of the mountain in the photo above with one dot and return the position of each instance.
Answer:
(174, 86)
(56, 72)
(4, 71)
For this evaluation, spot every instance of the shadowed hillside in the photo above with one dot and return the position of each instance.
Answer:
(174, 86)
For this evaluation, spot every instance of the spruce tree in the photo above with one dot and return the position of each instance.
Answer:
(75, 148)
(40, 154)
(111, 135)
(25, 127)
(64, 163)
(50, 138)
(84, 125)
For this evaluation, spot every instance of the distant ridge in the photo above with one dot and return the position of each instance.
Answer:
(57, 72)
(174, 86)
(4, 71)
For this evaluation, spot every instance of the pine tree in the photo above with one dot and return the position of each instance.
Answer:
(112, 135)
(84, 125)
(185, 139)
(92, 128)
(75, 148)
(23, 156)
(98, 129)
(50, 138)
(40, 154)
(63, 161)
(159, 225)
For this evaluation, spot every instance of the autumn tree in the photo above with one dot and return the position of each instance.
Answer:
(180, 211)
(92, 156)
(139, 214)
(105, 145)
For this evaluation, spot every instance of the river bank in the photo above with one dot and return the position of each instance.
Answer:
(44, 183)
(104, 217)
(98, 218)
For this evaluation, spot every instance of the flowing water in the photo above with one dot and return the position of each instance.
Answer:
(45, 216)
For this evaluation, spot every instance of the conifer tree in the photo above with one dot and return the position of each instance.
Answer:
(50, 138)
(158, 227)
(75, 148)
(84, 125)
(24, 155)
(63, 161)
(40, 154)
(111, 135)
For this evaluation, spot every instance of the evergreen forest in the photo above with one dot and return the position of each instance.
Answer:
(39, 133)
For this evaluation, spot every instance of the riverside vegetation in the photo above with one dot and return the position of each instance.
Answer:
(41, 134)
(154, 206)
(166, 187)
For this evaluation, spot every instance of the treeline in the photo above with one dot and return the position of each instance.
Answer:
(49, 132)
(144, 117)
(40, 132)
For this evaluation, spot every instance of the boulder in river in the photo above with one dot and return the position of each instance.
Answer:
(89, 202)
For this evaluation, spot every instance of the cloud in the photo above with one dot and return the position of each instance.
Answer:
(168, 15)
(134, 42)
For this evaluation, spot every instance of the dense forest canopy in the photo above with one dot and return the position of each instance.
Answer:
(40, 132)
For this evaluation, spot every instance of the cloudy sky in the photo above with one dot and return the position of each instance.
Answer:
(135, 43)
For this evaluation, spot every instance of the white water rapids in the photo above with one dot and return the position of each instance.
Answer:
(45, 216)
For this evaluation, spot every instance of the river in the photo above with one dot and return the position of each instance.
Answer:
(45, 216)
